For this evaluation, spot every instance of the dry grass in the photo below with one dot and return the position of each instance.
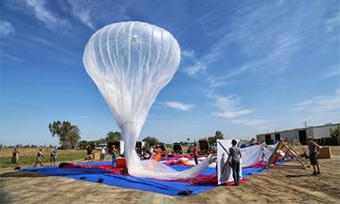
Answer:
(277, 185)
(27, 156)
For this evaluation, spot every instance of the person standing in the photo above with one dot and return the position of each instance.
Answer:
(146, 152)
(151, 152)
(313, 155)
(235, 156)
(15, 156)
(196, 153)
(39, 158)
(53, 156)
(89, 152)
(102, 153)
(158, 154)
(114, 156)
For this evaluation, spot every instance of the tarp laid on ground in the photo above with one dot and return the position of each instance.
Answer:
(194, 186)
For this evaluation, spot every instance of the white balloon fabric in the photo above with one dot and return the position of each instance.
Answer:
(130, 62)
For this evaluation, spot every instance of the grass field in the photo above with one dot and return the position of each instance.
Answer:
(27, 156)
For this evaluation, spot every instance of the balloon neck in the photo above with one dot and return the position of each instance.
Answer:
(130, 123)
(130, 132)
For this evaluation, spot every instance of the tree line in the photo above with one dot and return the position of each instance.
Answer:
(69, 136)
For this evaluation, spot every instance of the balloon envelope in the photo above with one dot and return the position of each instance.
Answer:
(130, 62)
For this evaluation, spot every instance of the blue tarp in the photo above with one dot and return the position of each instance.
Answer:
(146, 184)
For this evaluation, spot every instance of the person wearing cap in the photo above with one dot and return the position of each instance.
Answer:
(313, 155)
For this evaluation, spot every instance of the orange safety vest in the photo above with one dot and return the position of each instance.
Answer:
(158, 155)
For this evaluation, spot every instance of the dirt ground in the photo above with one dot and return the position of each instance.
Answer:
(282, 184)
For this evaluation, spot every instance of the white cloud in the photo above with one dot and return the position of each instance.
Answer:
(269, 50)
(233, 114)
(334, 71)
(6, 29)
(251, 122)
(333, 22)
(194, 69)
(321, 104)
(179, 106)
(230, 108)
(83, 12)
(319, 109)
(266, 35)
(43, 14)
(6, 56)
(218, 81)
(188, 53)
(192, 64)
(91, 12)
(197, 65)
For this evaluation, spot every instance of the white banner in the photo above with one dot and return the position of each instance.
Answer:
(251, 155)
(224, 172)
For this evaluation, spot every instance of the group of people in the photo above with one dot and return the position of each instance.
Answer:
(155, 153)
(39, 157)
(113, 151)
(146, 153)
(235, 156)
(151, 152)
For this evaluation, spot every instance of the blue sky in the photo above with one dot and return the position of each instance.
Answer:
(247, 67)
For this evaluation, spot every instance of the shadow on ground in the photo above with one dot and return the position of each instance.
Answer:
(21, 174)
(289, 167)
(4, 196)
(297, 175)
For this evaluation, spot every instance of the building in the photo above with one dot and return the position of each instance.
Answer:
(320, 133)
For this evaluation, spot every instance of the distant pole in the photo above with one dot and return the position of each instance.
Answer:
(305, 123)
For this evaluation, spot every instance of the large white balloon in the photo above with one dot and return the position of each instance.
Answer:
(130, 62)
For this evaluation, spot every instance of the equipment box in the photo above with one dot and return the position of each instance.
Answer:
(325, 153)
(95, 155)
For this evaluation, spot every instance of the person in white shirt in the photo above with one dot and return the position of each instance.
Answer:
(102, 153)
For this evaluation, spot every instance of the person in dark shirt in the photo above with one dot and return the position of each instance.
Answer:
(196, 153)
(15, 156)
(235, 156)
(89, 152)
(313, 155)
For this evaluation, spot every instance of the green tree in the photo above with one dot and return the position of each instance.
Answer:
(113, 136)
(151, 140)
(335, 134)
(219, 135)
(68, 134)
(83, 144)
